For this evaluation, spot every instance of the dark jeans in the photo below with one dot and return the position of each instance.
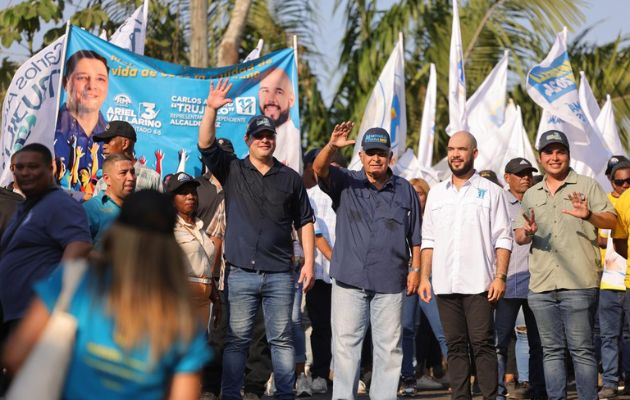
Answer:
(468, 318)
(505, 318)
(318, 307)
(610, 320)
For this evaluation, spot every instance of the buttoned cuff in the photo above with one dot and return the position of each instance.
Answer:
(427, 244)
(504, 244)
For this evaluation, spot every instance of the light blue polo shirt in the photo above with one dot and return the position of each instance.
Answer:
(101, 212)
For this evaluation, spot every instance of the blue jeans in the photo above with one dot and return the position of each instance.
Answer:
(610, 319)
(353, 310)
(521, 349)
(299, 339)
(565, 320)
(245, 291)
(504, 320)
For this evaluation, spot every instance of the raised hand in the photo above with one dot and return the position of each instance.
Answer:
(339, 136)
(159, 155)
(530, 226)
(79, 152)
(217, 96)
(580, 205)
(94, 149)
(143, 160)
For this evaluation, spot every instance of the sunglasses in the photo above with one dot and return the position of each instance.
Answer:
(620, 182)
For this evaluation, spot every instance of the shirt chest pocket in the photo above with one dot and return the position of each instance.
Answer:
(396, 217)
(475, 211)
(278, 196)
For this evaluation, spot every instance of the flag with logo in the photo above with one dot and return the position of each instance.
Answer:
(486, 110)
(456, 79)
(386, 106)
(427, 125)
(608, 127)
(551, 84)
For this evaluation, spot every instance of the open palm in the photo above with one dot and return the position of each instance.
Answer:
(217, 96)
(339, 136)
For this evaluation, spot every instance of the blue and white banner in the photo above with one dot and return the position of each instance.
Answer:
(456, 79)
(165, 102)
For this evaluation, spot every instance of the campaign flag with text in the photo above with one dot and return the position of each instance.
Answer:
(386, 106)
(165, 102)
(486, 111)
(456, 79)
(427, 125)
(551, 84)
(608, 127)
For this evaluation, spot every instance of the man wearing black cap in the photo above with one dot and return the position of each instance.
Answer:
(265, 200)
(378, 227)
(560, 217)
(518, 176)
(120, 137)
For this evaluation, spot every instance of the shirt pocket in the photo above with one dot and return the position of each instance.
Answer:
(475, 212)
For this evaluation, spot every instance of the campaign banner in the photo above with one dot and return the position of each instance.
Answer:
(165, 102)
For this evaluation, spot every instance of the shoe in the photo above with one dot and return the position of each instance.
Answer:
(428, 383)
(270, 387)
(210, 396)
(319, 385)
(474, 388)
(303, 385)
(362, 388)
(607, 392)
(407, 386)
(520, 391)
(250, 396)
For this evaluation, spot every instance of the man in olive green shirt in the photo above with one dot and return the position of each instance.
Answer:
(560, 218)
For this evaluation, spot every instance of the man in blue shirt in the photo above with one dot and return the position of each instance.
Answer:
(264, 201)
(47, 227)
(102, 209)
(378, 227)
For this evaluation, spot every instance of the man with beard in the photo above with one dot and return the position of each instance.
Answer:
(276, 97)
(466, 232)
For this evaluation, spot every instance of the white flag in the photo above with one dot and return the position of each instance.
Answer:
(608, 127)
(409, 168)
(28, 110)
(588, 100)
(131, 34)
(551, 84)
(456, 79)
(513, 140)
(427, 126)
(386, 106)
(486, 109)
(254, 54)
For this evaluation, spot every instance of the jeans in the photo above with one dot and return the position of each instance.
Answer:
(521, 350)
(353, 309)
(565, 319)
(299, 339)
(610, 319)
(467, 318)
(247, 289)
(505, 317)
(318, 306)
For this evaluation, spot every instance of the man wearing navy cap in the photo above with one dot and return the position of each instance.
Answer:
(560, 217)
(378, 227)
(264, 201)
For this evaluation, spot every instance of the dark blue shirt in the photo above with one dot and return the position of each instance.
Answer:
(260, 210)
(33, 243)
(375, 230)
(68, 131)
(101, 212)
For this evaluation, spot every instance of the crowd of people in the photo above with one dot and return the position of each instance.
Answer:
(198, 287)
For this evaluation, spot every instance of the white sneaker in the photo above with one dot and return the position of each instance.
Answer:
(303, 385)
(362, 388)
(428, 383)
(270, 387)
(319, 385)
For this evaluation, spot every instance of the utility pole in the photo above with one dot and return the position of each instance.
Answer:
(199, 33)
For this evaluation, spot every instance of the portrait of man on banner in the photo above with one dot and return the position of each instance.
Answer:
(77, 156)
(276, 97)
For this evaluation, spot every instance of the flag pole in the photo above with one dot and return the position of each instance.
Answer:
(62, 66)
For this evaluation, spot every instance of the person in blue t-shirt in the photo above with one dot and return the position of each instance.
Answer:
(102, 209)
(137, 335)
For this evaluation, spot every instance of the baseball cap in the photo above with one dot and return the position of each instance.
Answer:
(623, 164)
(260, 123)
(309, 157)
(614, 160)
(117, 128)
(519, 164)
(226, 145)
(551, 137)
(490, 175)
(376, 138)
(178, 180)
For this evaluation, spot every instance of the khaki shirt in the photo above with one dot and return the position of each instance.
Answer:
(564, 252)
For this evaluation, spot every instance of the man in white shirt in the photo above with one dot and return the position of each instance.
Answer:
(466, 232)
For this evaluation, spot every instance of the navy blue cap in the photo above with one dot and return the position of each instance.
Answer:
(376, 138)
(179, 179)
(260, 123)
(614, 160)
(551, 137)
(117, 128)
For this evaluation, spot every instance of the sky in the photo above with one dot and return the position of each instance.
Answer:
(610, 18)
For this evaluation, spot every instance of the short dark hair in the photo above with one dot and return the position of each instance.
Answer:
(36, 148)
(114, 157)
(71, 63)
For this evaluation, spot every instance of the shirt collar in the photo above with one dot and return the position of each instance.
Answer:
(67, 121)
(389, 183)
(105, 199)
(198, 223)
(570, 179)
(510, 197)
(470, 181)
(275, 168)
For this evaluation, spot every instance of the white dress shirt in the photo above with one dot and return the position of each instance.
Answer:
(464, 228)
(325, 222)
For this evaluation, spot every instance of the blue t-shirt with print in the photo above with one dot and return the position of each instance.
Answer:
(99, 366)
